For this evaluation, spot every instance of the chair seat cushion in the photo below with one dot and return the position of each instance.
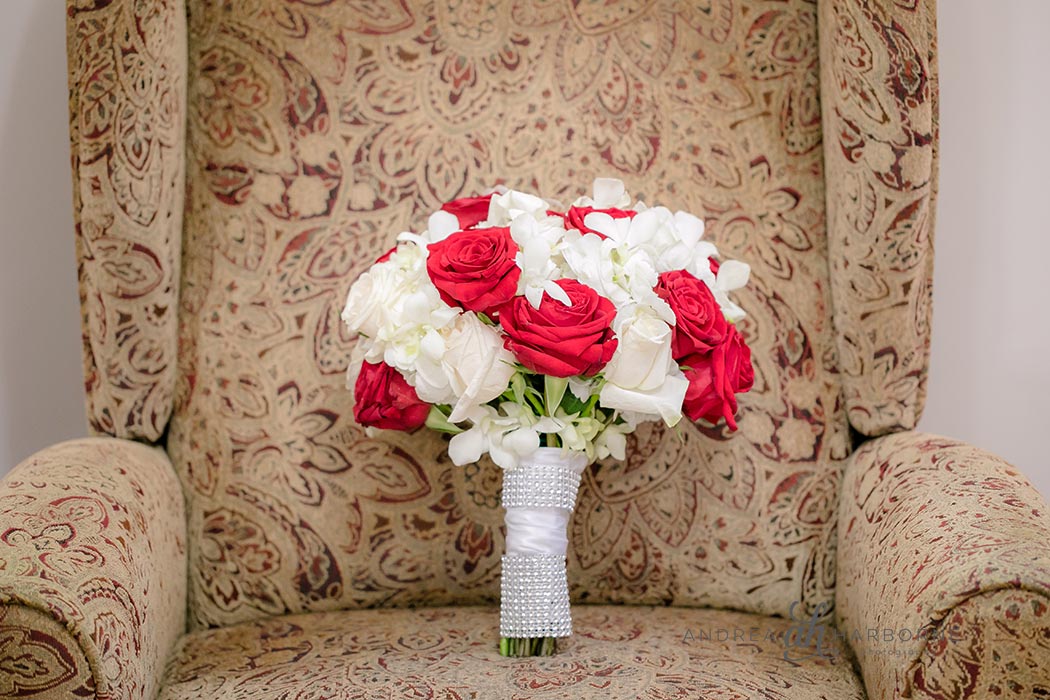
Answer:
(617, 652)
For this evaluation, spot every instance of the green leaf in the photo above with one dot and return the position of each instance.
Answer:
(553, 392)
(438, 420)
(534, 401)
(571, 404)
(517, 385)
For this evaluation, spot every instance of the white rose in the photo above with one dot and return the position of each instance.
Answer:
(366, 302)
(477, 365)
(509, 205)
(642, 376)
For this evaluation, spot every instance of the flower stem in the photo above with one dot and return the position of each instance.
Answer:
(530, 646)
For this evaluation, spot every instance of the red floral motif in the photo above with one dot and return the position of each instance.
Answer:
(237, 562)
(785, 51)
(769, 222)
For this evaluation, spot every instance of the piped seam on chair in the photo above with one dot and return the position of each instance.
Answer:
(84, 641)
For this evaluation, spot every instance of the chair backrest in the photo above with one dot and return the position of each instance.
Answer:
(311, 133)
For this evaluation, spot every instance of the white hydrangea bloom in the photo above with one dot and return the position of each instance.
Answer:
(400, 313)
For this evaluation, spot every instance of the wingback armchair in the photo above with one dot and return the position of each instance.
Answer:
(229, 532)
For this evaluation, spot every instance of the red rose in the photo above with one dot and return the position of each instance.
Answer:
(475, 269)
(470, 211)
(700, 324)
(383, 399)
(575, 216)
(559, 340)
(716, 377)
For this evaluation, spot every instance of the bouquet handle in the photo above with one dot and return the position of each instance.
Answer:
(539, 496)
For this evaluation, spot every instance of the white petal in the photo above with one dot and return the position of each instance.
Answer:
(503, 458)
(690, 228)
(466, 447)
(733, 274)
(601, 222)
(522, 442)
(441, 225)
(608, 192)
(665, 402)
(546, 424)
(534, 295)
(644, 227)
(613, 443)
(557, 293)
(580, 388)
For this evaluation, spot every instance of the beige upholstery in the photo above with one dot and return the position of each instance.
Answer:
(616, 652)
(239, 163)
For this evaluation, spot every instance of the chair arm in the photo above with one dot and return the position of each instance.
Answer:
(942, 550)
(92, 571)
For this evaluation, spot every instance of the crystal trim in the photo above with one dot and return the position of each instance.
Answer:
(541, 486)
(534, 597)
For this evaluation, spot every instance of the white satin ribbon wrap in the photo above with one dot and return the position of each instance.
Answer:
(537, 530)
(539, 496)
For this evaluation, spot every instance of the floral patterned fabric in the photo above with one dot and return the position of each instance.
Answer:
(1005, 650)
(92, 571)
(40, 658)
(927, 525)
(307, 135)
(616, 652)
(127, 83)
(318, 131)
(879, 91)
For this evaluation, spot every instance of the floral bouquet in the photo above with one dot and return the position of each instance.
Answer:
(543, 336)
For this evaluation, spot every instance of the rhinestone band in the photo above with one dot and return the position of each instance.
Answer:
(534, 597)
(541, 486)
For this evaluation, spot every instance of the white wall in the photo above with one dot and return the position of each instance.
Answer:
(990, 370)
(41, 400)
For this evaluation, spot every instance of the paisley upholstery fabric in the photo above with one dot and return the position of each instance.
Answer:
(226, 201)
(879, 90)
(926, 526)
(92, 571)
(39, 658)
(1002, 650)
(127, 82)
(616, 652)
(318, 131)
